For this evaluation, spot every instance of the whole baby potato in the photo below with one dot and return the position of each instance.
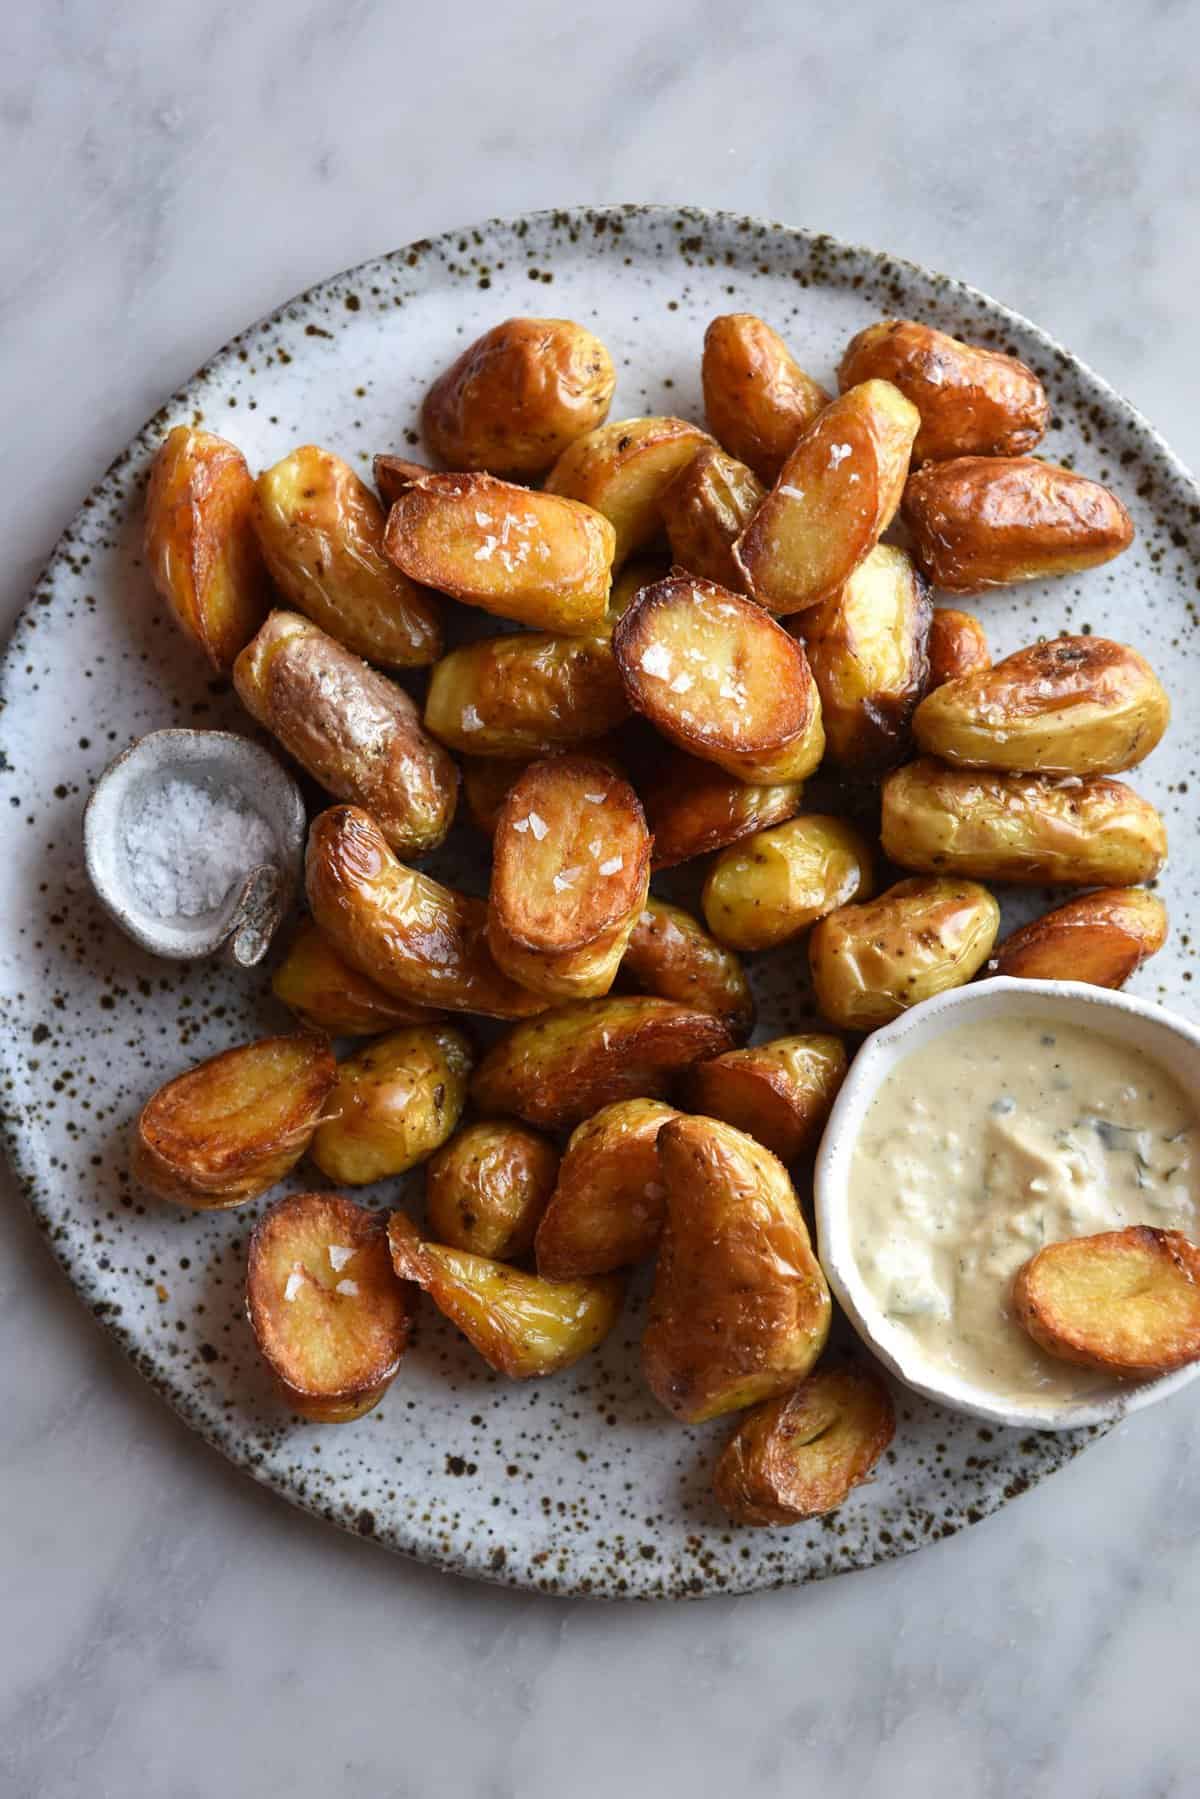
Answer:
(958, 645)
(769, 888)
(623, 470)
(521, 696)
(757, 398)
(327, 994)
(671, 954)
(1102, 938)
(693, 807)
(705, 509)
(396, 1100)
(870, 963)
(486, 1189)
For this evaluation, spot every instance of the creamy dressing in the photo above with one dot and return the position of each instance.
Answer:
(985, 1144)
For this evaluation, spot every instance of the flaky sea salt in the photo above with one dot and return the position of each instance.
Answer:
(339, 1255)
(187, 846)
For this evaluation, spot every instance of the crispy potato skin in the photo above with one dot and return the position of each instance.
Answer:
(522, 696)
(972, 402)
(320, 530)
(740, 1309)
(705, 510)
(327, 994)
(518, 395)
(958, 646)
(986, 521)
(623, 469)
(1125, 1302)
(396, 1100)
(757, 398)
(1101, 938)
(608, 1203)
(393, 475)
(1072, 706)
(1028, 829)
(487, 1189)
(416, 939)
(556, 1070)
(801, 1455)
(779, 1093)
(769, 888)
(693, 807)
(870, 963)
(671, 954)
(201, 547)
(234, 1125)
(355, 731)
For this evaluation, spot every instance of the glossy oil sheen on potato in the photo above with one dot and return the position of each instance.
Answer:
(327, 994)
(623, 469)
(780, 1093)
(396, 1100)
(1101, 938)
(1123, 1302)
(769, 888)
(693, 807)
(958, 645)
(705, 510)
(487, 1189)
(607, 1207)
(757, 398)
(871, 962)
(801, 1455)
(671, 954)
(523, 695)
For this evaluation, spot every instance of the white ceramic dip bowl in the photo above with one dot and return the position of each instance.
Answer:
(1172, 1041)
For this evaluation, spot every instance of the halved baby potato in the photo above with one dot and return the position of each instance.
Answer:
(693, 807)
(757, 398)
(396, 1100)
(623, 469)
(801, 1455)
(780, 1093)
(1102, 938)
(771, 887)
(705, 510)
(521, 696)
(327, 994)
(607, 1207)
(958, 645)
(870, 963)
(488, 780)
(671, 954)
(486, 1190)
(1124, 1302)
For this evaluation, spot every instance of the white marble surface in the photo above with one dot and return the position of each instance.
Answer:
(170, 173)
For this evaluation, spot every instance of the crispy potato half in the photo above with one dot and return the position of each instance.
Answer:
(488, 779)
(740, 1309)
(522, 1326)
(972, 401)
(801, 1455)
(518, 395)
(1124, 1302)
(720, 679)
(769, 888)
(328, 1314)
(232, 1126)
(705, 510)
(396, 1100)
(1081, 831)
(671, 954)
(393, 474)
(693, 807)
(835, 496)
(486, 1190)
(757, 398)
(958, 645)
(1072, 706)
(522, 696)
(321, 533)
(327, 994)
(779, 1093)
(413, 937)
(556, 1070)
(987, 521)
(870, 963)
(201, 547)
(623, 469)
(607, 1207)
(1101, 938)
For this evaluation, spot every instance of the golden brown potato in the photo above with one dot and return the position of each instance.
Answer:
(1125, 1302)
(719, 678)
(1073, 706)
(740, 1309)
(986, 521)
(1039, 829)
(693, 807)
(355, 731)
(518, 395)
(534, 557)
(705, 510)
(958, 645)
(870, 963)
(769, 888)
(394, 475)
(779, 1093)
(327, 994)
(329, 1316)
(321, 532)
(488, 779)
(1101, 938)
(643, 571)
(867, 647)
(800, 1456)
(522, 1325)
(413, 937)
(835, 496)
(521, 696)
(396, 1100)
(558, 1069)
(757, 398)
(201, 547)
(232, 1126)
(972, 401)
(607, 1207)
(671, 954)
(486, 1190)
(623, 469)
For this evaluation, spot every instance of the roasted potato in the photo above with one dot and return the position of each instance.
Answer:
(958, 645)
(518, 395)
(972, 401)
(705, 510)
(1073, 706)
(328, 1314)
(1076, 832)
(800, 1456)
(396, 1100)
(201, 547)
(555, 1071)
(524, 695)
(488, 779)
(719, 678)
(486, 1190)
(606, 1210)
(867, 647)
(643, 571)
(535, 557)
(779, 1093)
(232, 1126)
(835, 496)
(870, 963)
(622, 470)
(327, 994)
(769, 888)
(394, 475)
(1102, 938)
(355, 731)
(757, 398)
(671, 954)
(413, 937)
(693, 807)
(521, 1325)
(740, 1309)
(321, 533)
(1124, 1302)
(986, 521)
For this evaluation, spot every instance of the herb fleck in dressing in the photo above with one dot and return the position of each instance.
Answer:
(987, 1143)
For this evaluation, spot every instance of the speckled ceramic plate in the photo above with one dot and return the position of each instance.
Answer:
(577, 1485)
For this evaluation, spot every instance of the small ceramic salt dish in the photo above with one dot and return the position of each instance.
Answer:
(1171, 1041)
(193, 842)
